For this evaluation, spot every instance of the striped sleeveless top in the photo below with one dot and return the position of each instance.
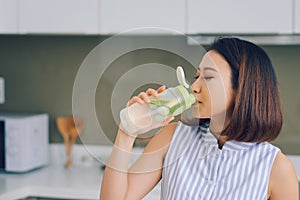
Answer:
(195, 168)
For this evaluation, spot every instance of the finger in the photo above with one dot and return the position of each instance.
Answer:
(135, 99)
(168, 120)
(144, 97)
(152, 92)
(161, 89)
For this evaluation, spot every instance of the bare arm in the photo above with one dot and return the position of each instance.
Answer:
(283, 180)
(114, 182)
(119, 182)
(147, 170)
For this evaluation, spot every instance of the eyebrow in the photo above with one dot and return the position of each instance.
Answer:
(208, 68)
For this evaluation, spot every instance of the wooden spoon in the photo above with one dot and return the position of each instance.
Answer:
(69, 128)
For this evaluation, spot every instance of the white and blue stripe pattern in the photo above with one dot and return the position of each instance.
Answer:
(195, 168)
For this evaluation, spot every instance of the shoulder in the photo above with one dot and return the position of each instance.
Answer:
(161, 141)
(282, 166)
(283, 179)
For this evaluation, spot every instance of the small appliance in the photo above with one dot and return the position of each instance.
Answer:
(24, 142)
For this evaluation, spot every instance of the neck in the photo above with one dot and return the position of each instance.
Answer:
(217, 125)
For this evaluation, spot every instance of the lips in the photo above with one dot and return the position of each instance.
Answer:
(197, 102)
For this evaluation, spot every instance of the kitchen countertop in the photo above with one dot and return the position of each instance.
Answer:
(81, 181)
(52, 182)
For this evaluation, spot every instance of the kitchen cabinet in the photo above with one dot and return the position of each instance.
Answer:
(8, 16)
(115, 16)
(297, 16)
(243, 17)
(58, 16)
(99, 16)
(118, 15)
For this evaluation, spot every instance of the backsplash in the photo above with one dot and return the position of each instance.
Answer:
(40, 70)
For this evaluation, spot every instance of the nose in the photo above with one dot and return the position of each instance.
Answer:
(196, 86)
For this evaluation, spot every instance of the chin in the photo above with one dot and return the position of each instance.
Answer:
(200, 113)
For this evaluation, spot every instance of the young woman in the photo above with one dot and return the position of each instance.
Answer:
(228, 155)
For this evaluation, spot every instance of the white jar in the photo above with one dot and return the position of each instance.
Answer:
(140, 118)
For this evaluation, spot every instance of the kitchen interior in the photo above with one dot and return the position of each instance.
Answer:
(44, 45)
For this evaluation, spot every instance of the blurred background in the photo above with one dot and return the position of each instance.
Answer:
(43, 43)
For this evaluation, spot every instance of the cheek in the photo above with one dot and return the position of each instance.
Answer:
(203, 110)
(220, 97)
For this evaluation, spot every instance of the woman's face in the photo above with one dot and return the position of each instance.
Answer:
(212, 87)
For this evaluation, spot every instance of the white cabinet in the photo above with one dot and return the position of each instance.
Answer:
(119, 15)
(8, 16)
(115, 16)
(236, 16)
(58, 16)
(297, 16)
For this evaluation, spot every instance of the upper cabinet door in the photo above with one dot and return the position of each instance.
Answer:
(297, 16)
(8, 16)
(236, 16)
(58, 16)
(121, 15)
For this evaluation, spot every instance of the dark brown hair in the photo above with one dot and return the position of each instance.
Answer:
(256, 114)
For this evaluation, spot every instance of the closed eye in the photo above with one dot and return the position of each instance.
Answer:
(208, 77)
(205, 77)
